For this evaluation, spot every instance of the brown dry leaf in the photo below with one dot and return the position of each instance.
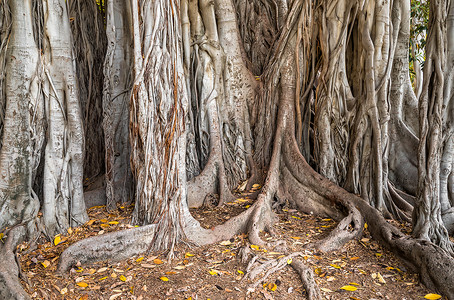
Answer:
(102, 270)
(148, 266)
(226, 243)
(272, 286)
(82, 284)
(63, 291)
(70, 231)
(115, 296)
(326, 290)
(45, 263)
(157, 261)
(179, 267)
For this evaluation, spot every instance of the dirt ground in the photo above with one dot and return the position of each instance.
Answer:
(361, 270)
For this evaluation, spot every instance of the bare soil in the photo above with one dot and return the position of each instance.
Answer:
(215, 271)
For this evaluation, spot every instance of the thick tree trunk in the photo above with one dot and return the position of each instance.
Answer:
(117, 89)
(63, 205)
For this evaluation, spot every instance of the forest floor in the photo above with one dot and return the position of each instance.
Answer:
(361, 270)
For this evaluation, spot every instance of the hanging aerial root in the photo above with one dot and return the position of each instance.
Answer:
(10, 287)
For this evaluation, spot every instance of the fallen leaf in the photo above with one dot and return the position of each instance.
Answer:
(57, 240)
(256, 186)
(82, 284)
(103, 269)
(272, 286)
(289, 261)
(255, 247)
(45, 263)
(91, 271)
(432, 296)
(349, 288)
(113, 223)
(354, 258)
(326, 290)
(171, 273)
(188, 254)
(353, 283)
(100, 279)
(103, 220)
(241, 272)
(63, 291)
(179, 267)
(148, 266)
(226, 243)
(157, 261)
(164, 278)
(213, 272)
(296, 237)
(89, 223)
(380, 278)
(140, 259)
(335, 266)
(122, 278)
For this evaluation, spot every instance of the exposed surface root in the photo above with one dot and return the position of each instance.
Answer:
(10, 287)
(348, 228)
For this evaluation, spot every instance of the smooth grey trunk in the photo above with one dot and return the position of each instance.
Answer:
(20, 91)
(117, 89)
(63, 203)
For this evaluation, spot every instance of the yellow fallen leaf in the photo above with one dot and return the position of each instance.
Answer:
(89, 223)
(70, 231)
(45, 263)
(365, 225)
(353, 283)
(289, 261)
(188, 254)
(296, 237)
(122, 278)
(213, 272)
(255, 247)
(349, 288)
(171, 273)
(354, 258)
(247, 206)
(157, 261)
(241, 272)
(91, 271)
(326, 290)
(164, 278)
(100, 279)
(256, 186)
(104, 220)
(298, 218)
(272, 286)
(113, 275)
(114, 222)
(140, 259)
(335, 266)
(57, 240)
(432, 296)
(326, 220)
(82, 284)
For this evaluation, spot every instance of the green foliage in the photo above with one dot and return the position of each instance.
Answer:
(418, 32)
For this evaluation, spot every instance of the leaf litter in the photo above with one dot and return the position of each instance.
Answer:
(215, 271)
